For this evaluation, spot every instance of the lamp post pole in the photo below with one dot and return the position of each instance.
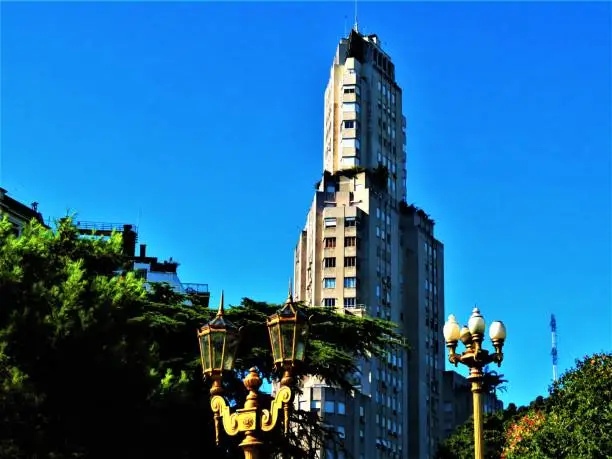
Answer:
(218, 344)
(475, 358)
(476, 379)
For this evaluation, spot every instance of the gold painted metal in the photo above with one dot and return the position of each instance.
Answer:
(218, 339)
(288, 330)
(475, 358)
(251, 419)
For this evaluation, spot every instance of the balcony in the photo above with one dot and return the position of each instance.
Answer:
(350, 231)
(350, 78)
(351, 97)
(349, 133)
(103, 228)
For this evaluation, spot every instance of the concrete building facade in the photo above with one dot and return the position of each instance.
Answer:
(364, 251)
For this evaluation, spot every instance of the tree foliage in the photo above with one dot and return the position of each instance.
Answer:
(575, 421)
(92, 364)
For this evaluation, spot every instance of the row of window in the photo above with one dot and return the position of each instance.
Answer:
(330, 406)
(348, 302)
(349, 282)
(383, 216)
(392, 403)
(349, 241)
(330, 262)
(386, 92)
(391, 425)
(331, 222)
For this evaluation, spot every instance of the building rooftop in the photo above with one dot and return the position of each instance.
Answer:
(18, 209)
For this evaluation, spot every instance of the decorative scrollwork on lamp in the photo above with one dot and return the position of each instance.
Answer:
(219, 340)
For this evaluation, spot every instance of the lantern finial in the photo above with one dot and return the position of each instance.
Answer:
(221, 310)
(290, 295)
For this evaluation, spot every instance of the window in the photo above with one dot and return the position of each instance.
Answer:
(329, 302)
(341, 408)
(350, 241)
(329, 262)
(330, 222)
(350, 302)
(350, 221)
(349, 124)
(329, 407)
(341, 433)
(361, 411)
(329, 282)
(315, 405)
(141, 274)
(350, 282)
(349, 262)
(350, 107)
(330, 242)
(349, 90)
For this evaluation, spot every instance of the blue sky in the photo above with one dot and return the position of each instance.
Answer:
(203, 123)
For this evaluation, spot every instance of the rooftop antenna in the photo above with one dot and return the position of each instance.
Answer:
(356, 26)
(553, 353)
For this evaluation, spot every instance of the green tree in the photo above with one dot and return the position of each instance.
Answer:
(460, 445)
(575, 421)
(93, 365)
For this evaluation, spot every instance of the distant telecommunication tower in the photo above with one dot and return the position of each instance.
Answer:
(553, 353)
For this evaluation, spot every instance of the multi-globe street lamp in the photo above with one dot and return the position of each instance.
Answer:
(219, 340)
(475, 358)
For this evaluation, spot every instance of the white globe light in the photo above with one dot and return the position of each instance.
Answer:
(451, 329)
(476, 324)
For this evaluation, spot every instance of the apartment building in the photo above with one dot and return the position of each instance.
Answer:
(364, 251)
(149, 268)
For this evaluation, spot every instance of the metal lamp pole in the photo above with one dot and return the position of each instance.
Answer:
(475, 358)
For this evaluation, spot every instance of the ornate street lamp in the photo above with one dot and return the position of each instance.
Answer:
(218, 343)
(219, 340)
(475, 358)
(288, 330)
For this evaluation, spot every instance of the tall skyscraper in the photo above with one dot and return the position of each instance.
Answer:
(364, 251)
